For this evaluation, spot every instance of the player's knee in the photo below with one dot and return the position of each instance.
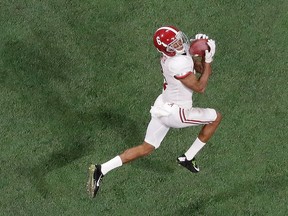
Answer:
(219, 117)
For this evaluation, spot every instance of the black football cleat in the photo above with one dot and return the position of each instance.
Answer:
(188, 164)
(95, 177)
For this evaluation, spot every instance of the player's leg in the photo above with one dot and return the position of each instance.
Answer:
(136, 152)
(205, 134)
(155, 133)
(196, 116)
(208, 130)
(97, 172)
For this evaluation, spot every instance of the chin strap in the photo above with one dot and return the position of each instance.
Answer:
(182, 52)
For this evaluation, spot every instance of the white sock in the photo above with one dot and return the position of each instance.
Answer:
(194, 149)
(111, 164)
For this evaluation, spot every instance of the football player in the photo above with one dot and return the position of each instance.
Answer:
(173, 108)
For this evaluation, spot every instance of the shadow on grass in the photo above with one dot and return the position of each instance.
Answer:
(73, 150)
(30, 69)
(37, 174)
(127, 128)
(267, 185)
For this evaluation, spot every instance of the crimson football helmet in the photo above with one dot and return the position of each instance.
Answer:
(170, 40)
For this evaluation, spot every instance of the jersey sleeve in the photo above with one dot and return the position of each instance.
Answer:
(181, 66)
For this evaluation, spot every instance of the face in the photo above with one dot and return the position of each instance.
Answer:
(176, 45)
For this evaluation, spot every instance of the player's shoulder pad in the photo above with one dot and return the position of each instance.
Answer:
(181, 65)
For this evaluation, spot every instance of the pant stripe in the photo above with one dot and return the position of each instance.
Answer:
(190, 121)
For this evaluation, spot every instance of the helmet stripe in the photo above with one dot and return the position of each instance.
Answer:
(168, 28)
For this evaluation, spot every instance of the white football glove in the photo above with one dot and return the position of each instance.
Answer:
(201, 36)
(209, 54)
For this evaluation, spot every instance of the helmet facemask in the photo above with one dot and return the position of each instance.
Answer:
(178, 45)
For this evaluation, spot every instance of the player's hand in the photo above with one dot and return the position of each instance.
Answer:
(201, 36)
(209, 54)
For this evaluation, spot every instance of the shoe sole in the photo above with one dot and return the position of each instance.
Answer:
(91, 181)
(196, 170)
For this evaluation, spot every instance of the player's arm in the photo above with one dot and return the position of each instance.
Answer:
(200, 84)
(198, 64)
(197, 84)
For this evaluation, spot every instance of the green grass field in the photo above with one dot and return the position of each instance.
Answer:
(77, 79)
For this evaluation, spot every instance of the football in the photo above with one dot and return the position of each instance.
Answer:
(198, 47)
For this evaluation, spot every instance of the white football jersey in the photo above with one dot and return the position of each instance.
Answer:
(174, 91)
